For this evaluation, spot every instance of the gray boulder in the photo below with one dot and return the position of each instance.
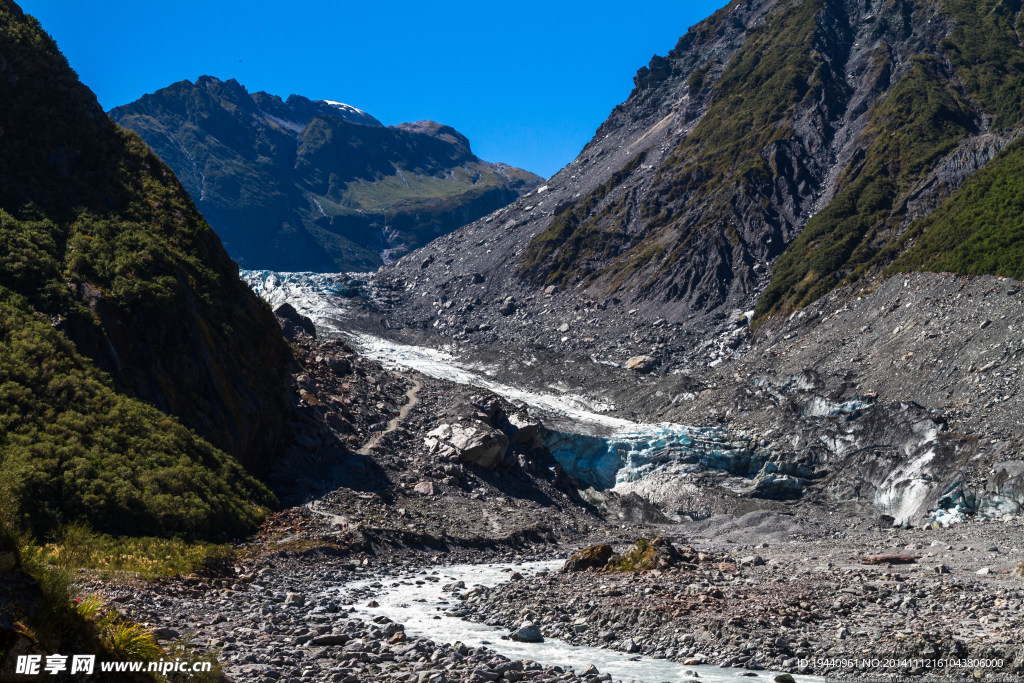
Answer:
(777, 486)
(525, 429)
(471, 442)
(529, 632)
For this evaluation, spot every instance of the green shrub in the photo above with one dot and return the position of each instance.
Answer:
(72, 449)
(640, 557)
(129, 641)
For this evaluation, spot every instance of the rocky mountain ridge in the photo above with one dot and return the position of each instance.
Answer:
(778, 151)
(297, 184)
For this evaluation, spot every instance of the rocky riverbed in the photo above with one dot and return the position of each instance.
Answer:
(803, 602)
(762, 591)
(284, 621)
(398, 471)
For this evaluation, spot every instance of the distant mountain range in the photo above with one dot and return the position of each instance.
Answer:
(299, 184)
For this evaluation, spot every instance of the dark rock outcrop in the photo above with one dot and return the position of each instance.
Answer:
(592, 557)
(293, 323)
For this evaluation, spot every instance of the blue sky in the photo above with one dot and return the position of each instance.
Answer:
(527, 82)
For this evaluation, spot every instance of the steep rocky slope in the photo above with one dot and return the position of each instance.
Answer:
(299, 185)
(123, 324)
(781, 149)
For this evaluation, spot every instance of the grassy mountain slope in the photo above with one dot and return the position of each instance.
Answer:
(298, 185)
(75, 449)
(974, 81)
(123, 324)
(823, 135)
(977, 231)
(920, 121)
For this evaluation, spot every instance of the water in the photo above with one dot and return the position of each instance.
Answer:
(607, 449)
(565, 408)
(422, 610)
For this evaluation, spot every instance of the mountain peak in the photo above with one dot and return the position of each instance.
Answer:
(350, 113)
(437, 130)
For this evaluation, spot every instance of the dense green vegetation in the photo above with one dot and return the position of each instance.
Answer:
(123, 326)
(979, 229)
(71, 448)
(45, 610)
(922, 119)
(985, 47)
(638, 557)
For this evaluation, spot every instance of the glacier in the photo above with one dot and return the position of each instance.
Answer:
(598, 450)
(640, 450)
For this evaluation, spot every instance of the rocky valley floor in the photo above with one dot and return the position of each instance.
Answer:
(763, 591)
(396, 475)
(769, 584)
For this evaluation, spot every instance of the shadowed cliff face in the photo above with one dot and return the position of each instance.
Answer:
(298, 185)
(780, 150)
(101, 238)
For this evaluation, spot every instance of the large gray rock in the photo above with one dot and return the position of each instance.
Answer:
(529, 632)
(471, 442)
(777, 486)
(525, 429)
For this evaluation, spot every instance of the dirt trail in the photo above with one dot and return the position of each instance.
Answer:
(413, 399)
(413, 395)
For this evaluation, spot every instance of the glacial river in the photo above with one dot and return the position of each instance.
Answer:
(423, 609)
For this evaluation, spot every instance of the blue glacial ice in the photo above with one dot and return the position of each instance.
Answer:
(629, 454)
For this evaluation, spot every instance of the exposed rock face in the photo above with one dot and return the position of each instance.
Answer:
(425, 488)
(299, 185)
(469, 442)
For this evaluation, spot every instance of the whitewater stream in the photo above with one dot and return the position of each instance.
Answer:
(421, 606)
